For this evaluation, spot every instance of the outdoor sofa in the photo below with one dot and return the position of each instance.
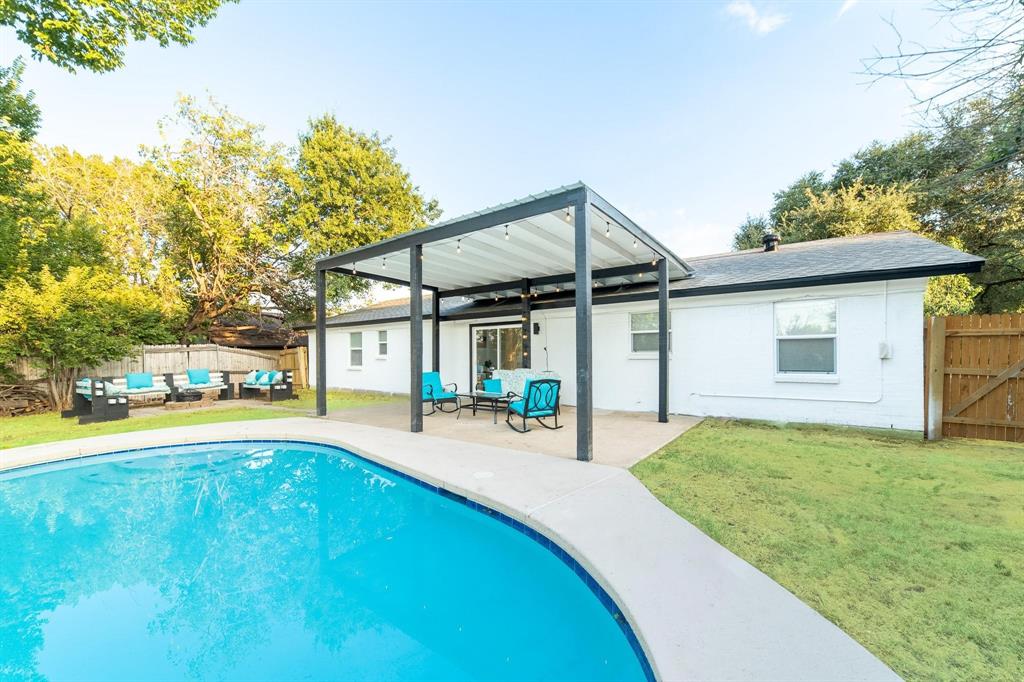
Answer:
(108, 398)
(276, 384)
(203, 380)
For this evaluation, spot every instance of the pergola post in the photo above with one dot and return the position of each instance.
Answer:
(526, 322)
(663, 331)
(435, 329)
(416, 338)
(584, 332)
(321, 342)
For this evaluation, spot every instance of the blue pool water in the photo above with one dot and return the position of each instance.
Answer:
(283, 561)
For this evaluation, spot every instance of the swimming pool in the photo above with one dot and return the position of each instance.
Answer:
(284, 560)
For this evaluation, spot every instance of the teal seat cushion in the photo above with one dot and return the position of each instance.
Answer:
(518, 407)
(492, 385)
(201, 386)
(276, 377)
(251, 377)
(444, 395)
(263, 378)
(198, 376)
(139, 380)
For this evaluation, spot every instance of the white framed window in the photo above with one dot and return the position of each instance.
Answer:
(382, 343)
(643, 333)
(355, 349)
(805, 338)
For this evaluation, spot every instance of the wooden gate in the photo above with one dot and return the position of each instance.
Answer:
(297, 360)
(974, 386)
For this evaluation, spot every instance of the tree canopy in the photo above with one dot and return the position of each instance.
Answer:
(93, 34)
(956, 183)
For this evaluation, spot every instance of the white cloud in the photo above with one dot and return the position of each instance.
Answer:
(758, 21)
(846, 7)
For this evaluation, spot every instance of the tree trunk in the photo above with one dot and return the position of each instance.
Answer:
(60, 386)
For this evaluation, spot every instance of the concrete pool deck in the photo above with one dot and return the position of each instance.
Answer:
(699, 611)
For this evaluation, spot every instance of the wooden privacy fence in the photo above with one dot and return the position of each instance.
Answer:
(974, 386)
(297, 360)
(175, 358)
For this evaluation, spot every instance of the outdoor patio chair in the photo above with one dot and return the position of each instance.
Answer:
(276, 384)
(95, 400)
(539, 401)
(439, 395)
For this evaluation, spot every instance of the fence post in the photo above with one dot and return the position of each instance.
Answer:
(936, 375)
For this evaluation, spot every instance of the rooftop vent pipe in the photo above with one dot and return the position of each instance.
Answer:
(771, 242)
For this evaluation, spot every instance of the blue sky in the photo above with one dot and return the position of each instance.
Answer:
(687, 116)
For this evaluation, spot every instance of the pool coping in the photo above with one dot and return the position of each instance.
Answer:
(697, 610)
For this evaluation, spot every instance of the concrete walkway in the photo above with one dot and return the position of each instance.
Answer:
(699, 611)
(621, 439)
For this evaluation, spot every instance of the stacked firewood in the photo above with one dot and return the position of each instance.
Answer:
(17, 399)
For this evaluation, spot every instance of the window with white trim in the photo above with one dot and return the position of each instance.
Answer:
(382, 343)
(355, 349)
(643, 332)
(805, 337)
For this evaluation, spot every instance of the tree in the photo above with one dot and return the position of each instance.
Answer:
(750, 234)
(228, 239)
(847, 211)
(65, 326)
(984, 59)
(351, 191)
(795, 196)
(122, 201)
(93, 34)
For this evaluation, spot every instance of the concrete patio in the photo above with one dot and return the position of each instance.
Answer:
(621, 439)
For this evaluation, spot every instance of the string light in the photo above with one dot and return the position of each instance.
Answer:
(458, 247)
(506, 233)
(607, 229)
(634, 242)
(568, 218)
(383, 263)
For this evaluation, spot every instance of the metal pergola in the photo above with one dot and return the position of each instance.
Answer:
(569, 239)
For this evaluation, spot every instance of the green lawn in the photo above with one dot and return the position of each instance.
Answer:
(46, 428)
(915, 549)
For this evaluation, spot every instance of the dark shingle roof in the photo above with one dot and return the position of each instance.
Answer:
(885, 255)
(864, 258)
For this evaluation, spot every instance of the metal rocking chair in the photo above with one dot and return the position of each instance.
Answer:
(439, 395)
(539, 402)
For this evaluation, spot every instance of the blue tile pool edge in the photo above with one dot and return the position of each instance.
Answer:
(575, 566)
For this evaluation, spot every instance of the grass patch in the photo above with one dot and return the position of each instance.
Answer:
(50, 427)
(915, 549)
(340, 399)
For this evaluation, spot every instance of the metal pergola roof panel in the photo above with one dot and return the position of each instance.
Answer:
(490, 252)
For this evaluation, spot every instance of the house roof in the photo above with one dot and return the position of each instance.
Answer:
(864, 258)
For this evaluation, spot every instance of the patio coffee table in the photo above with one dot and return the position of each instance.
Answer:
(487, 400)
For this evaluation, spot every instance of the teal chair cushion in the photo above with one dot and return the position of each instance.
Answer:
(251, 377)
(263, 378)
(517, 407)
(276, 377)
(492, 385)
(198, 376)
(139, 380)
(432, 388)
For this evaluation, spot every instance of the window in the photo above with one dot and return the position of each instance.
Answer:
(805, 337)
(643, 332)
(382, 344)
(355, 349)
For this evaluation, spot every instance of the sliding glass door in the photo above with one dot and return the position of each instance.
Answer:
(498, 347)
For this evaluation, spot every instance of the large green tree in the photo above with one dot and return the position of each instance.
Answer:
(228, 236)
(350, 191)
(93, 34)
(961, 183)
(64, 326)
